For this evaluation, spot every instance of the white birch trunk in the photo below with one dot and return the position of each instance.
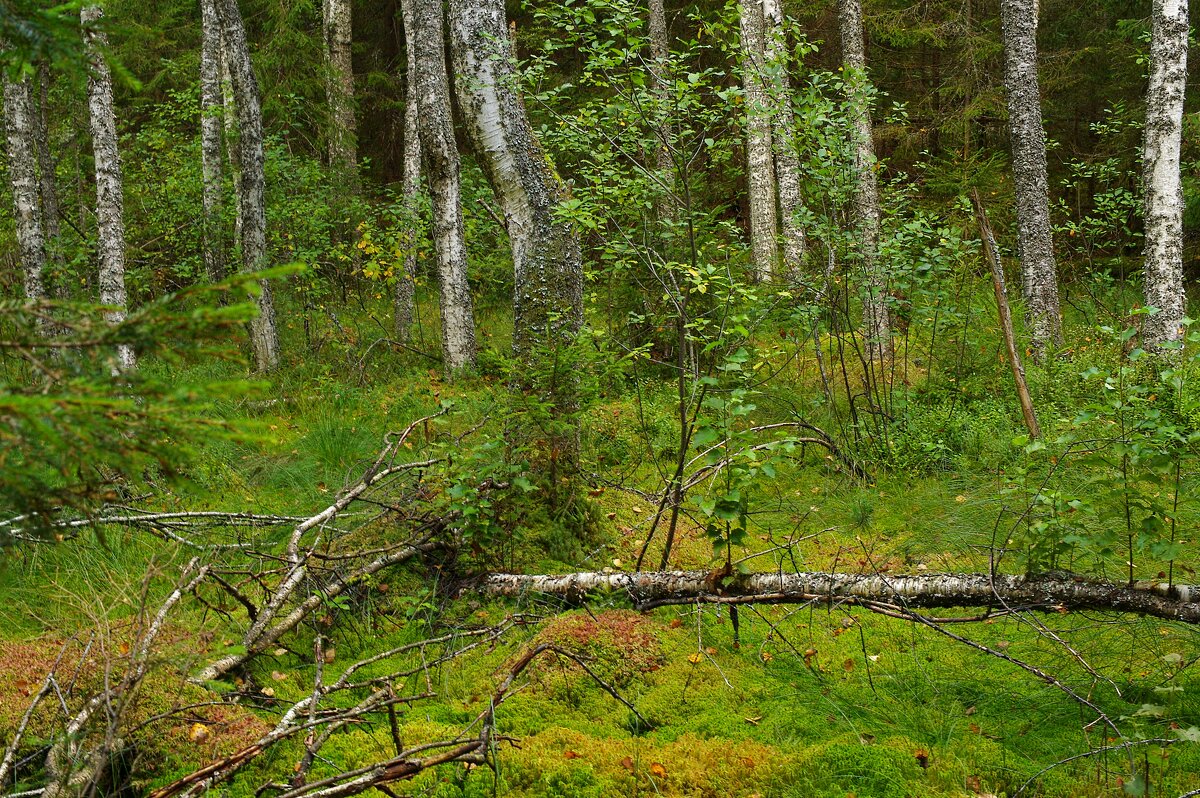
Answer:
(1035, 247)
(440, 154)
(1048, 593)
(1162, 274)
(211, 112)
(229, 120)
(264, 336)
(339, 89)
(49, 184)
(22, 173)
(547, 264)
(760, 161)
(110, 201)
(866, 191)
(405, 287)
(783, 133)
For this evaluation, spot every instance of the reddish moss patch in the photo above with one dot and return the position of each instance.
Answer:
(617, 644)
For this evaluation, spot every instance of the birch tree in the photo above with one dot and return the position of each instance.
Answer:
(1162, 273)
(547, 265)
(264, 337)
(440, 156)
(760, 161)
(339, 88)
(411, 188)
(211, 111)
(110, 200)
(783, 122)
(22, 174)
(866, 186)
(1019, 20)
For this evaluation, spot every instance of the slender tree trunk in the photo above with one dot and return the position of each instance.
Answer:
(48, 183)
(440, 154)
(1162, 273)
(405, 287)
(548, 269)
(660, 56)
(760, 162)
(264, 337)
(866, 185)
(232, 148)
(339, 88)
(211, 111)
(1019, 19)
(22, 173)
(547, 264)
(110, 201)
(783, 138)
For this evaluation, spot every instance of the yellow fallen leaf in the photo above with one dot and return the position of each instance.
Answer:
(695, 658)
(658, 770)
(198, 733)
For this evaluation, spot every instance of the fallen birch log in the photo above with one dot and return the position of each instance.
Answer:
(1047, 593)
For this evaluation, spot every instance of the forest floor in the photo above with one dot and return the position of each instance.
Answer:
(817, 700)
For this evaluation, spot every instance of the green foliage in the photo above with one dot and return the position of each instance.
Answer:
(74, 433)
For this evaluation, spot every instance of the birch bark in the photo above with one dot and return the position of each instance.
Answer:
(405, 288)
(110, 201)
(866, 192)
(440, 155)
(547, 264)
(230, 123)
(783, 132)
(211, 112)
(1162, 274)
(22, 173)
(339, 88)
(264, 337)
(1019, 20)
(1050, 593)
(760, 162)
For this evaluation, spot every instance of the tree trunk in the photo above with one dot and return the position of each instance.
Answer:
(547, 265)
(760, 163)
(229, 121)
(339, 88)
(22, 172)
(405, 287)
(866, 186)
(783, 138)
(211, 111)
(110, 201)
(264, 337)
(440, 154)
(896, 593)
(48, 184)
(1019, 19)
(1162, 274)
(660, 56)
